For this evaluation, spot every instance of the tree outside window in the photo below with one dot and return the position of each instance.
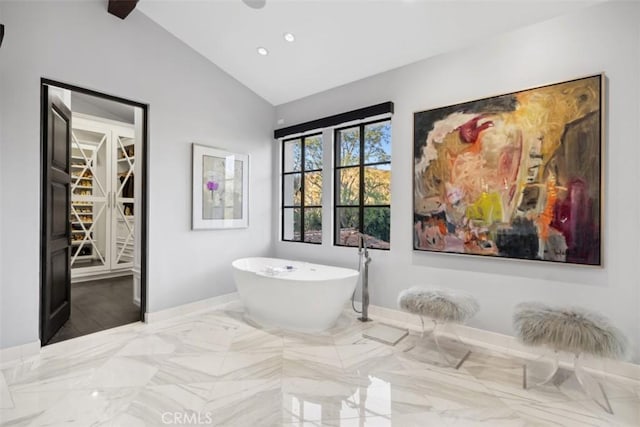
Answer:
(302, 189)
(363, 184)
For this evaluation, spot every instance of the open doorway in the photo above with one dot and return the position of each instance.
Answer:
(93, 211)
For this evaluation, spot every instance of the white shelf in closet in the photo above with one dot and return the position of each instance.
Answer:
(82, 163)
(97, 147)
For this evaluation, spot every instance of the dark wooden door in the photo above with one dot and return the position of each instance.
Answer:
(55, 301)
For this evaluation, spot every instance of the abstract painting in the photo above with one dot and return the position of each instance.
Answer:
(512, 176)
(220, 193)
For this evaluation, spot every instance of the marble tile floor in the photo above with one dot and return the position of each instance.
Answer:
(216, 369)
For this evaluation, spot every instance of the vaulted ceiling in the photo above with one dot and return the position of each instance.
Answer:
(337, 42)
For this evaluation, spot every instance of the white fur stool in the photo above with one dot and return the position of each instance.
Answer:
(442, 307)
(573, 330)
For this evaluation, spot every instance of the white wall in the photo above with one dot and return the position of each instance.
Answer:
(602, 38)
(190, 100)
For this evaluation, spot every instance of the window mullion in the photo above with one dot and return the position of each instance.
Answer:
(302, 185)
(282, 197)
(361, 199)
(336, 182)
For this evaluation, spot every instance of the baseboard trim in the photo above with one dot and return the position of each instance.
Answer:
(507, 344)
(190, 308)
(19, 352)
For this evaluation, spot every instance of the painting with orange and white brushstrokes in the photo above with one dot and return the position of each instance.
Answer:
(512, 176)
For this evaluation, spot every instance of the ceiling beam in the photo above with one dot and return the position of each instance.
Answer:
(121, 8)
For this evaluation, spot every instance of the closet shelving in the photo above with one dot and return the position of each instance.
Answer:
(102, 196)
(82, 239)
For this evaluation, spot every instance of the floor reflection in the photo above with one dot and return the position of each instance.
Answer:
(217, 367)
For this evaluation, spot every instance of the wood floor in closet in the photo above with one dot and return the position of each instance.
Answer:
(98, 305)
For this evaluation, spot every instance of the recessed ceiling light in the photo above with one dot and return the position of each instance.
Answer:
(262, 51)
(289, 37)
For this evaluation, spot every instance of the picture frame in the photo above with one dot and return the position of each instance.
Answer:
(220, 189)
(516, 176)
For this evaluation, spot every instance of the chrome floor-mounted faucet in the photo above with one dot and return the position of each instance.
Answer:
(363, 253)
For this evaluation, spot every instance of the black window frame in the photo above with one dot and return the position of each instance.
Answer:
(361, 168)
(302, 173)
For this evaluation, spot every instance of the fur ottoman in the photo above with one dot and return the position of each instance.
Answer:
(573, 330)
(442, 307)
(438, 304)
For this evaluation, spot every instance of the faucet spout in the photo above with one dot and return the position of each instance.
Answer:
(362, 244)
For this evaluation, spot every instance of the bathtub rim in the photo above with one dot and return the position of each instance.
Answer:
(351, 271)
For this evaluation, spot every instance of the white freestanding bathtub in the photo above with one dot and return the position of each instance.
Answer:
(293, 295)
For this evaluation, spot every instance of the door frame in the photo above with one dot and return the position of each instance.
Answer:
(144, 179)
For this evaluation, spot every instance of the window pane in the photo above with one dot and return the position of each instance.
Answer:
(377, 227)
(377, 185)
(313, 225)
(313, 152)
(348, 182)
(347, 225)
(292, 194)
(292, 156)
(348, 147)
(313, 189)
(377, 142)
(291, 224)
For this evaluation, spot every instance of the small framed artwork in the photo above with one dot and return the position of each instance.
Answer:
(220, 189)
(515, 176)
